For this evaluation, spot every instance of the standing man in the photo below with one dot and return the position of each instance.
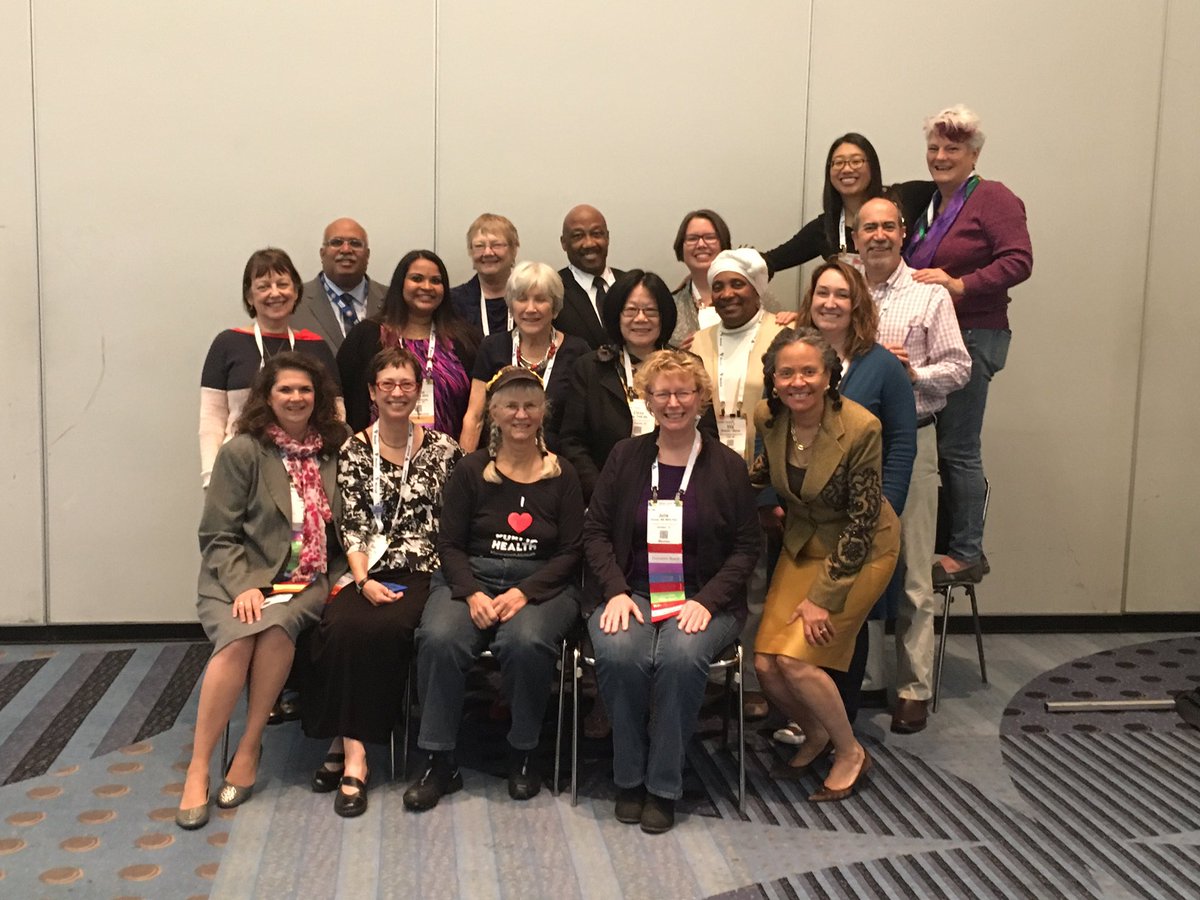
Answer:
(917, 323)
(342, 295)
(587, 277)
(492, 244)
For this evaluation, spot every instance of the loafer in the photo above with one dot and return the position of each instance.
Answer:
(325, 779)
(830, 795)
(194, 817)
(972, 574)
(441, 777)
(286, 709)
(629, 804)
(524, 783)
(658, 814)
(909, 716)
(350, 805)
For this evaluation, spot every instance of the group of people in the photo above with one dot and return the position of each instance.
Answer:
(424, 470)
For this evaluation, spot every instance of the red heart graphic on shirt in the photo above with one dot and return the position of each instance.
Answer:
(518, 522)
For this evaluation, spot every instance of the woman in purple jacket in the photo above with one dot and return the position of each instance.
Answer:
(970, 237)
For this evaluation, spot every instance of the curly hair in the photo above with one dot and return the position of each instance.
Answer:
(864, 317)
(673, 362)
(269, 261)
(257, 415)
(805, 334)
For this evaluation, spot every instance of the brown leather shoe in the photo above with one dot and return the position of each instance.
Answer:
(909, 716)
(755, 706)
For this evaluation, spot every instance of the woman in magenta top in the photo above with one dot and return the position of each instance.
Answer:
(416, 317)
(970, 236)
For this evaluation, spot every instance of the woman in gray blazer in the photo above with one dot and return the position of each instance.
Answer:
(269, 555)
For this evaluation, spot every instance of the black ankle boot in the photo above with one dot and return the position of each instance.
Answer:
(523, 779)
(440, 777)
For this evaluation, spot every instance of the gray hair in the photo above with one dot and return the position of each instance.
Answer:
(956, 123)
(529, 277)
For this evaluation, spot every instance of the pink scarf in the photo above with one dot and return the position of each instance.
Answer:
(300, 460)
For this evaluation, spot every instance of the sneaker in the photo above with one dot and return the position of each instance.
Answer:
(441, 777)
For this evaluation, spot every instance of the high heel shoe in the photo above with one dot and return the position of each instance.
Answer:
(326, 779)
(195, 816)
(828, 795)
(233, 795)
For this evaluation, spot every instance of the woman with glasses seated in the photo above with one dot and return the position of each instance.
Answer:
(671, 539)
(534, 295)
(602, 407)
(390, 477)
(509, 548)
(701, 236)
(853, 176)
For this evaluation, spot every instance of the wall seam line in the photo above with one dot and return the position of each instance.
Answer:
(1142, 348)
(437, 37)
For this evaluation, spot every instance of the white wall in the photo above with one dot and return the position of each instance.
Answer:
(171, 142)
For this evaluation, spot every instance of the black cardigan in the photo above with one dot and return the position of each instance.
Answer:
(728, 545)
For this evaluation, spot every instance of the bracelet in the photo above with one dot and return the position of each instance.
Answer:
(361, 584)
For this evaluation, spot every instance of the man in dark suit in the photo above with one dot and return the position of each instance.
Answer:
(342, 295)
(587, 278)
(493, 243)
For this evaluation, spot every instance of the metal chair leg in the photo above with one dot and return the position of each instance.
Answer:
(576, 673)
(741, 710)
(978, 633)
(947, 599)
(562, 699)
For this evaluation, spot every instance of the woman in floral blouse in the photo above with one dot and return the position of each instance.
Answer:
(390, 477)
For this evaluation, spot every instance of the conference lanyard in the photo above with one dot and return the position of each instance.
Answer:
(740, 386)
(424, 413)
(483, 316)
(258, 340)
(643, 421)
(376, 479)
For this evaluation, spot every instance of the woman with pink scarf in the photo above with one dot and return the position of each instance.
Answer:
(268, 557)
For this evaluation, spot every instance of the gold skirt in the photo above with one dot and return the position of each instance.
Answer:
(792, 581)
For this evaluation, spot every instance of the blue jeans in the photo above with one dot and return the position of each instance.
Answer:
(527, 647)
(655, 667)
(960, 454)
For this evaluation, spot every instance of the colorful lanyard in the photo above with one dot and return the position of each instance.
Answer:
(664, 544)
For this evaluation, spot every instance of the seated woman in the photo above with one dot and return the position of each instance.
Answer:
(822, 455)
(268, 557)
(602, 407)
(671, 539)
(391, 478)
(510, 559)
(271, 291)
(534, 295)
(418, 317)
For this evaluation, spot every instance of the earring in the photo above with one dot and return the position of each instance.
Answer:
(774, 392)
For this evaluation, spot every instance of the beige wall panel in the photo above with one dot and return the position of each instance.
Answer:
(1166, 516)
(643, 110)
(1069, 102)
(21, 543)
(173, 140)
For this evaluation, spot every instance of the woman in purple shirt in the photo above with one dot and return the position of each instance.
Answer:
(970, 236)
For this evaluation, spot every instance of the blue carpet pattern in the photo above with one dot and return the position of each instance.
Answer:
(94, 741)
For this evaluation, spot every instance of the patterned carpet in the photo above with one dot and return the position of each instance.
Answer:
(93, 742)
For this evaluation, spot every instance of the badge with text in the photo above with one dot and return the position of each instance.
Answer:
(423, 414)
(664, 543)
(643, 421)
(732, 431)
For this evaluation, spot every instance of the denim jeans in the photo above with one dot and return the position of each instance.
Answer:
(960, 456)
(655, 668)
(527, 647)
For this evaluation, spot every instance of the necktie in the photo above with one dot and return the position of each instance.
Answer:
(601, 293)
(345, 305)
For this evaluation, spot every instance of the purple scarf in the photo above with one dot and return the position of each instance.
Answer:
(926, 238)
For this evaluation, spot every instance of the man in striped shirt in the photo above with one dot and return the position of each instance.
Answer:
(918, 324)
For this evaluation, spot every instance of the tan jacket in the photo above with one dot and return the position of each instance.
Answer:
(841, 502)
(246, 527)
(704, 345)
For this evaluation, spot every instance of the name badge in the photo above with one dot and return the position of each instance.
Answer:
(423, 414)
(732, 431)
(664, 523)
(643, 421)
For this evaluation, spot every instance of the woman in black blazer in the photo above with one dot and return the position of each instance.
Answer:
(601, 405)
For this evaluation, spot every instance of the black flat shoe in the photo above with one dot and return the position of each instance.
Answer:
(524, 783)
(658, 814)
(972, 574)
(441, 777)
(629, 804)
(326, 779)
(350, 805)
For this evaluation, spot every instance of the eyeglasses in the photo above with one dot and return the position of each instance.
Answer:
(847, 162)
(692, 240)
(388, 386)
(497, 246)
(664, 396)
(338, 242)
(631, 312)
